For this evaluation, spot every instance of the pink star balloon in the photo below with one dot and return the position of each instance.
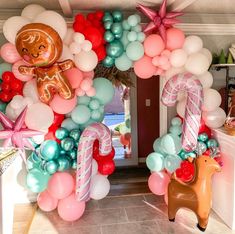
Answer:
(15, 134)
(160, 20)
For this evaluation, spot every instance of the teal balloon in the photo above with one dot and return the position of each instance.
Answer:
(114, 49)
(107, 17)
(175, 129)
(74, 164)
(90, 121)
(31, 163)
(49, 150)
(108, 36)
(81, 114)
(172, 162)
(119, 35)
(95, 114)
(62, 152)
(73, 154)
(61, 133)
(108, 61)
(75, 134)
(84, 100)
(124, 39)
(157, 146)
(36, 180)
(69, 124)
(104, 90)
(135, 50)
(203, 137)
(212, 143)
(155, 162)
(3, 106)
(176, 121)
(51, 167)
(67, 144)
(5, 67)
(171, 144)
(94, 104)
(116, 28)
(108, 24)
(140, 36)
(133, 20)
(182, 154)
(125, 25)
(132, 36)
(64, 163)
(201, 147)
(136, 28)
(117, 16)
(35, 158)
(123, 63)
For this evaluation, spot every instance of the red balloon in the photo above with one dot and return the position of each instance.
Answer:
(99, 157)
(207, 152)
(106, 167)
(16, 85)
(78, 27)
(80, 18)
(58, 119)
(94, 36)
(185, 172)
(91, 16)
(7, 76)
(101, 52)
(5, 96)
(125, 139)
(99, 15)
(6, 86)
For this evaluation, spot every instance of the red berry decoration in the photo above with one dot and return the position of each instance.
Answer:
(106, 167)
(185, 172)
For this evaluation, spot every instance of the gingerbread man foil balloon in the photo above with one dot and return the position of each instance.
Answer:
(41, 46)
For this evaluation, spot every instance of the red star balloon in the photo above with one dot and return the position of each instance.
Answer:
(160, 20)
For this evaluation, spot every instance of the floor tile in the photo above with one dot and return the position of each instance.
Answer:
(147, 227)
(154, 199)
(92, 205)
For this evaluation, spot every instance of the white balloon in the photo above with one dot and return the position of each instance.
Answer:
(178, 58)
(54, 20)
(180, 108)
(30, 90)
(32, 10)
(192, 44)
(75, 48)
(12, 25)
(86, 61)
(212, 100)
(10, 112)
(215, 118)
(86, 45)
(66, 54)
(68, 37)
(94, 167)
(206, 80)
(207, 53)
(197, 64)
(99, 187)
(173, 71)
(78, 37)
(38, 139)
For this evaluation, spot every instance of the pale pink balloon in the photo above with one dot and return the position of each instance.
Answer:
(153, 45)
(69, 209)
(89, 74)
(86, 84)
(16, 72)
(144, 68)
(158, 182)
(91, 92)
(60, 185)
(46, 202)
(75, 76)
(80, 92)
(61, 105)
(174, 38)
(9, 53)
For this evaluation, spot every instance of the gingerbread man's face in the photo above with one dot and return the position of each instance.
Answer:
(39, 44)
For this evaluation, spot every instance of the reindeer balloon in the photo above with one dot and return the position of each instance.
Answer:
(41, 46)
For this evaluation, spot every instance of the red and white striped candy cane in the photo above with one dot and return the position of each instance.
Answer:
(192, 117)
(84, 156)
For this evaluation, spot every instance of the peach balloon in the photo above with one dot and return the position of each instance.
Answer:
(74, 76)
(174, 38)
(61, 105)
(16, 72)
(9, 53)
(153, 45)
(46, 202)
(144, 68)
(89, 74)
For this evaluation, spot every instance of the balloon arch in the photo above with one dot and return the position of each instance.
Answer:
(54, 104)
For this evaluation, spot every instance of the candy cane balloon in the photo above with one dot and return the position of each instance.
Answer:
(192, 118)
(84, 156)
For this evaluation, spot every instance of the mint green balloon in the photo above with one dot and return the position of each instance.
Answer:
(136, 28)
(155, 162)
(132, 36)
(140, 36)
(4, 67)
(116, 28)
(95, 114)
(108, 24)
(90, 121)
(61, 133)
(125, 25)
(123, 63)
(175, 129)
(69, 124)
(124, 39)
(117, 16)
(176, 121)
(36, 180)
(157, 146)
(171, 144)
(49, 150)
(109, 36)
(31, 163)
(51, 167)
(135, 50)
(104, 90)
(94, 104)
(81, 114)
(172, 162)
(84, 100)
(67, 144)
(64, 163)
(114, 49)
(133, 20)
(75, 134)
(108, 61)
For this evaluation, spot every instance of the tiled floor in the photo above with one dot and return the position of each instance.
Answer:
(138, 214)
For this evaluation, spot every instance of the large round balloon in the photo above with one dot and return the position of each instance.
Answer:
(81, 114)
(46, 202)
(31, 11)
(158, 182)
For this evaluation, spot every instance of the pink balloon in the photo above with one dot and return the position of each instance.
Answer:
(69, 209)
(158, 182)
(91, 92)
(17, 74)
(60, 185)
(153, 45)
(86, 84)
(46, 202)
(9, 53)
(144, 68)
(174, 38)
(75, 76)
(89, 74)
(63, 106)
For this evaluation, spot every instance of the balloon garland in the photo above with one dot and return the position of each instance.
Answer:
(52, 80)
